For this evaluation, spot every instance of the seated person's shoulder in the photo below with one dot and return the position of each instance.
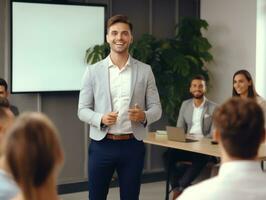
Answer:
(187, 102)
(200, 190)
(212, 104)
(14, 110)
(261, 101)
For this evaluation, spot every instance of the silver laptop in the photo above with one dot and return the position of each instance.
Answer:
(177, 134)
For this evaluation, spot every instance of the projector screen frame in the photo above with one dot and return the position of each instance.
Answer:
(54, 2)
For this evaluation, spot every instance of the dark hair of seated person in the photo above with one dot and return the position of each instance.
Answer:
(241, 125)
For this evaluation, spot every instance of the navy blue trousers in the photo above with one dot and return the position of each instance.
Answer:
(124, 156)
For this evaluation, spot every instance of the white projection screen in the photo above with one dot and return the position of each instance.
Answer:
(49, 42)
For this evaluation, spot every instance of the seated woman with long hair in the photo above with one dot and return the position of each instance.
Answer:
(243, 87)
(34, 156)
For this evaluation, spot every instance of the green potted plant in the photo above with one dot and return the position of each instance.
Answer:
(174, 61)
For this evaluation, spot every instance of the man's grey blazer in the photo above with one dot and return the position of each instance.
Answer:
(186, 114)
(95, 97)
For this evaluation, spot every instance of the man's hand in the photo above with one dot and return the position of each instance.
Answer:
(136, 114)
(109, 118)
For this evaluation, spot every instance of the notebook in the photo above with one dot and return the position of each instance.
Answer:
(177, 134)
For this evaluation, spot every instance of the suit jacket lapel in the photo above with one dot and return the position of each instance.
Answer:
(205, 109)
(190, 110)
(134, 73)
(106, 81)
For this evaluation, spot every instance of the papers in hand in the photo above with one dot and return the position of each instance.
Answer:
(161, 132)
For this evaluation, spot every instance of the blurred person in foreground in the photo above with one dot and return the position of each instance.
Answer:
(239, 130)
(34, 156)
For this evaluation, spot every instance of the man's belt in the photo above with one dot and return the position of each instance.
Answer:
(111, 136)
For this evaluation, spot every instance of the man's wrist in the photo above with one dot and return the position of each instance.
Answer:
(144, 122)
(103, 125)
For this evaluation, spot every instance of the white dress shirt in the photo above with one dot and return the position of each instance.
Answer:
(237, 180)
(196, 129)
(120, 84)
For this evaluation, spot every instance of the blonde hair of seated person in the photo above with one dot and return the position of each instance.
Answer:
(34, 156)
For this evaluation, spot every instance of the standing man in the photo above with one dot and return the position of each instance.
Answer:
(4, 93)
(195, 117)
(239, 130)
(118, 99)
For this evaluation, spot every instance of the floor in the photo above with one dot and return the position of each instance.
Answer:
(149, 191)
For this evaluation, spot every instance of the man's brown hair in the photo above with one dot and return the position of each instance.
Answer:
(241, 125)
(3, 83)
(197, 77)
(119, 19)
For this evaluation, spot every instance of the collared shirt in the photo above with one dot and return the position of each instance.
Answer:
(8, 187)
(237, 180)
(196, 129)
(120, 86)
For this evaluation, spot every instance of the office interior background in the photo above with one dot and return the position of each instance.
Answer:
(237, 30)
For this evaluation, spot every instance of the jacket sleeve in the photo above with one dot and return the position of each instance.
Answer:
(210, 133)
(181, 120)
(86, 102)
(153, 105)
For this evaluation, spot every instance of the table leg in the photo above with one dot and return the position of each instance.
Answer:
(262, 165)
(168, 171)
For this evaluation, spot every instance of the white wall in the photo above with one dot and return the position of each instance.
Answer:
(261, 48)
(232, 32)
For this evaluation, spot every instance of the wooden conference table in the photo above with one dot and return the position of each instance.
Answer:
(203, 146)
